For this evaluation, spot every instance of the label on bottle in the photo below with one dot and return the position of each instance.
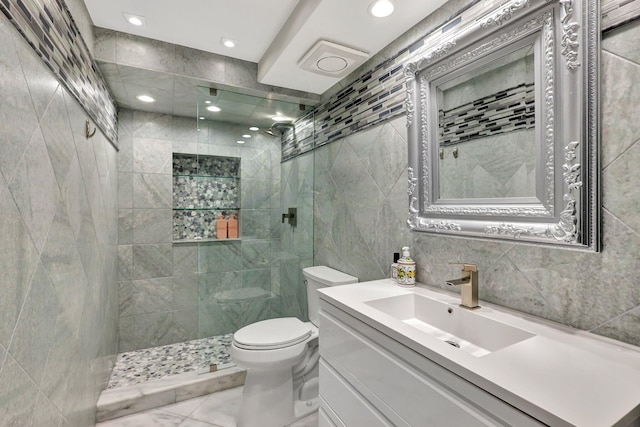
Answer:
(406, 274)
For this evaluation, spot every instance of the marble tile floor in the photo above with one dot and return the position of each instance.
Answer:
(218, 409)
(119, 402)
(135, 367)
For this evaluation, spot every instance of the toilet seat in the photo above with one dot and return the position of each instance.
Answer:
(272, 334)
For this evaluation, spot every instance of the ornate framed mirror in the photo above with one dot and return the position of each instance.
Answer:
(503, 126)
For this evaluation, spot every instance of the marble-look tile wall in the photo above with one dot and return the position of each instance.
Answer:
(58, 281)
(297, 242)
(361, 208)
(171, 292)
(52, 32)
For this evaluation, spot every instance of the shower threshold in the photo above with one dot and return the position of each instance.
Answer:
(153, 377)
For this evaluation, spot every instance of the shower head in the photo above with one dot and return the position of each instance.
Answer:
(279, 128)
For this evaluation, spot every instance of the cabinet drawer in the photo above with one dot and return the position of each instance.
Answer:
(342, 399)
(420, 393)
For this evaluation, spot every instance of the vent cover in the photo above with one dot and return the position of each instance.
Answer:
(331, 59)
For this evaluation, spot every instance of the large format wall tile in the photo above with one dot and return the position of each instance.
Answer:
(18, 401)
(152, 260)
(18, 260)
(151, 191)
(619, 91)
(152, 225)
(58, 296)
(620, 186)
(16, 107)
(34, 189)
(33, 335)
(152, 155)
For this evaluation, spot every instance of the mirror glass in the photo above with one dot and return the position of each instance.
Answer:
(502, 119)
(486, 135)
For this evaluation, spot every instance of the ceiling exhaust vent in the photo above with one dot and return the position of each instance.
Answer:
(331, 59)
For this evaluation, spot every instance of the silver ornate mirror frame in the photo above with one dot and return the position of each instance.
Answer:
(565, 212)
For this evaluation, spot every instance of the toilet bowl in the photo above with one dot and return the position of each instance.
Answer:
(281, 357)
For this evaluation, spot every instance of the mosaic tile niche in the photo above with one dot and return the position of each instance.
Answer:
(204, 189)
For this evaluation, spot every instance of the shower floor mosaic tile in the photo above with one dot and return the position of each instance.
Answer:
(135, 367)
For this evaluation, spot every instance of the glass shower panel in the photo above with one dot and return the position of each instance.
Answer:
(258, 276)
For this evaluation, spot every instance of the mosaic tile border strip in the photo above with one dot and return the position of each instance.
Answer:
(619, 12)
(380, 94)
(51, 31)
(508, 110)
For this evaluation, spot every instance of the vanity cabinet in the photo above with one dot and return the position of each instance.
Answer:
(369, 379)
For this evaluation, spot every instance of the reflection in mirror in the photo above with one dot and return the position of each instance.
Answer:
(502, 118)
(486, 135)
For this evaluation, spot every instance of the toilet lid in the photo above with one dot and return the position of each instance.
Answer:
(272, 333)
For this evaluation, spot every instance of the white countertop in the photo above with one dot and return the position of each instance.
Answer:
(561, 376)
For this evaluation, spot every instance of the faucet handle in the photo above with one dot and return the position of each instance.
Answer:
(465, 267)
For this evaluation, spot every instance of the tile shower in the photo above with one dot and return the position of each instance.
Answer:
(173, 292)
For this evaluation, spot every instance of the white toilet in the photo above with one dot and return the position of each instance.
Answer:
(281, 358)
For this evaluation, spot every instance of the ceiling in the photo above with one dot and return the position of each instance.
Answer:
(183, 96)
(275, 34)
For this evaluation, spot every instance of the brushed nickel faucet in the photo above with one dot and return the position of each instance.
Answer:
(469, 283)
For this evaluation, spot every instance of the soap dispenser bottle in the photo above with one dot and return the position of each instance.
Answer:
(232, 227)
(221, 227)
(406, 269)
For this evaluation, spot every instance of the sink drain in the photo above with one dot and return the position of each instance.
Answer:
(453, 343)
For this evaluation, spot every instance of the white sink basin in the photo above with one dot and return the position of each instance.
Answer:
(462, 328)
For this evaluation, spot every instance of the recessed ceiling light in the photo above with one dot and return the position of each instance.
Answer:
(246, 135)
(214, 108)
(145, 98)
(132, 19)
(201, 118)
(280, 118)
(381, 8)
(207, 102)
(228, 42)
(254, 128)
(240, 142)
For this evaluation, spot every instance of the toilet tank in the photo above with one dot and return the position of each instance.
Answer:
(320, 277)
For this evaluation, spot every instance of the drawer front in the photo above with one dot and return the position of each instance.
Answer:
(365, 358)
(347, 404)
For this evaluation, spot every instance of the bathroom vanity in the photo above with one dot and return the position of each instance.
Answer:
(393, 356)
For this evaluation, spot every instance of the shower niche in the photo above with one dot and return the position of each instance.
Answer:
(206, 198)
